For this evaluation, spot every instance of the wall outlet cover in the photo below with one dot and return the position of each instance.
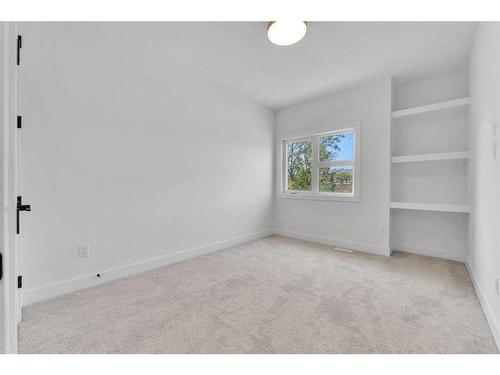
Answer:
(83, 251)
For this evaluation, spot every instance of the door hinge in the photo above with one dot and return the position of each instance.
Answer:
(1, 266)
(19, 46)
(19, 122)
(19, 282)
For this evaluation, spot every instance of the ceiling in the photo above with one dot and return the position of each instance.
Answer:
(332, 56)
(239, 57)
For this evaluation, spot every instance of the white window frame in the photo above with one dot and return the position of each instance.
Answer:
(314, 193)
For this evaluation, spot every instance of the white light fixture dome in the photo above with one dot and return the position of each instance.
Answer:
(285, 33)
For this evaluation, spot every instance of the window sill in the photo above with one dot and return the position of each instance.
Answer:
(319, 197)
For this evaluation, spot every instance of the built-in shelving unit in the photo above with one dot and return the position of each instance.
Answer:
(461, 103)
(455, 104)
(431, 157)
(429, 207)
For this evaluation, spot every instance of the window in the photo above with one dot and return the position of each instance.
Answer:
(299, 163)
(322, 166)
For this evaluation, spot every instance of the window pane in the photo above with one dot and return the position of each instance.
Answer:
(299, 159)
(336, 146)
(335, 179)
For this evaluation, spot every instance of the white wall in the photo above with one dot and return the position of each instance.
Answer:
(132, 154)
(360, 225)
(441, 87)
(484, 251)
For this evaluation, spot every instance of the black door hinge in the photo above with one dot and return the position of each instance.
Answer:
(21, 207)
(19, 46)
(1, 266)
(19, 282)
(19, 122)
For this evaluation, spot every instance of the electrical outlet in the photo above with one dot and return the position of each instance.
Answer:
(497, 286)
(83, 251)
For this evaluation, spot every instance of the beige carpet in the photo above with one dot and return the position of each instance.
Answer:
(275, 295)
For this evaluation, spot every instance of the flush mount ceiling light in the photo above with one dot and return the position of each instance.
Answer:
(285, 33)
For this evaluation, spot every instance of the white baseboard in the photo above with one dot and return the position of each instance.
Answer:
(82, 282)
(358, 246)
(430, 252)
(488, 311)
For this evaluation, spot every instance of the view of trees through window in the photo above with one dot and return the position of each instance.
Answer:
(334, 149)
(299, 165)
(335, 180)
(332, 178)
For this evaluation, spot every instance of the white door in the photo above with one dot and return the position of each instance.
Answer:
(3, 292)
(9, 293)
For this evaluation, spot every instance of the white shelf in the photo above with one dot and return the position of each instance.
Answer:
(430, 207)
(431, 157)
(450, 104)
